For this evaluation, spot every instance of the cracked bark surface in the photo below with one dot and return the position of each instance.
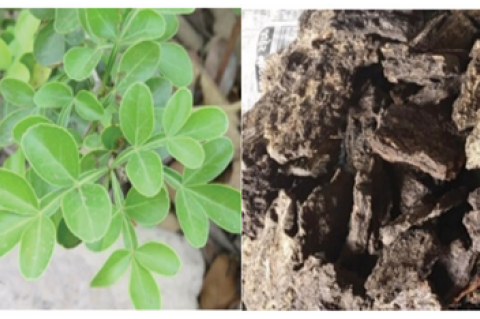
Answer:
(360, 188)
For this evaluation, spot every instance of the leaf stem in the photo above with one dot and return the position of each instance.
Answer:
(110, 63)
(172, 177)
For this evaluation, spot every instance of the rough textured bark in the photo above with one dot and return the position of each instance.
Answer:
(357, 187)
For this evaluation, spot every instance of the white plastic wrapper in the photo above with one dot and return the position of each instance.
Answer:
(263, 32)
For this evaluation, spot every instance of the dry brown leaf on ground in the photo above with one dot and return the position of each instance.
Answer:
(220, 285)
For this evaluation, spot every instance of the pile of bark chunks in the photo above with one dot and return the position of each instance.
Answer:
(361, 180)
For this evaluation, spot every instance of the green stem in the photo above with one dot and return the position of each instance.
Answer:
(172, 177)
(110, 63)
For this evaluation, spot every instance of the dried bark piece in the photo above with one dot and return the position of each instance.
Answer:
(422, 212)
(371, 205)
(261, 181)
(306, 108)
(403, 265)
(362, 121)
(400, 65)
(451, 30)
(322, 233)
(420, 137)
(465, 107)
(472, 224)
(458, 262)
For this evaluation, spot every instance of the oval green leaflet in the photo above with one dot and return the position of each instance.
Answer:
(146, 24)
(175, 64)
(158, 258)
(49, 46)
(53, 154)
(66, 20)
(145, 171)
(143, 288)
(205, 123)
(192, 219)
(53, 94)
(87, 106)
(115, 266)
(87, 211)
(12, 227)
(136, 114)
(17, 92)
(187, 151)
(177, 111)
(137, 64)
(147, 211)
(27, 122)
(81, 61)
(36, 247)
(218, 155)
(16, 194)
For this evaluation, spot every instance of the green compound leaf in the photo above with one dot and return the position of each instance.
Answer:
(88, 107)
(147, 211)
(136, 114)
(80, 62)
(129, 236)
(9, 122)
(110, 237)
(145, 171)
(65, 237)
(158, 258)
(137, 64)
(88, 211)
(205, 123)
(187, 151)
(221, 203)
(115, 266)
(53, 154)
(12, 227)
(175, 64)
(143, 288)
(145, 25)
(22, 126)
(66, 20)
(177, 111)
(192, 219)
(112, 138)
(161, 89)
(218, 155)
(36, 248)
(102, 22)
(43, 14)
(53, 94)
(16, 194)
(171, 27)
(17, 92)
(5, 56)
(175, 11)
(49, 46)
